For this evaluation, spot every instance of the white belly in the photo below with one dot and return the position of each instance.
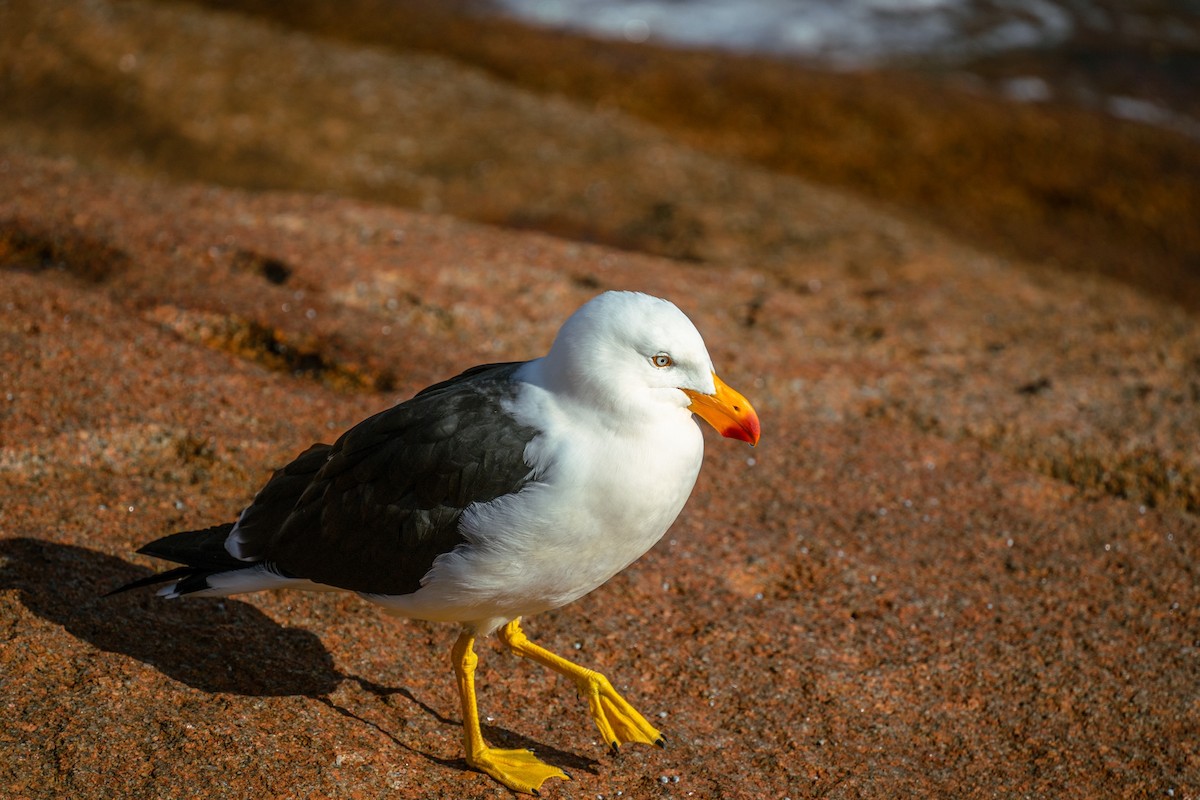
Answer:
(599, 505)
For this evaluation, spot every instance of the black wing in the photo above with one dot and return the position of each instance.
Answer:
(372, 511)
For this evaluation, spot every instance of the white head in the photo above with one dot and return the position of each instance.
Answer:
(630, 353)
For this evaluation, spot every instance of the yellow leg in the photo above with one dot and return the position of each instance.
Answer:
(519, 770)
(618, 721)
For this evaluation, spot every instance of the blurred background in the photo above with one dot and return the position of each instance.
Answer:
(1063, 133)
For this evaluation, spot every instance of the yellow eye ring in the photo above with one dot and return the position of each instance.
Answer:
(662, 360)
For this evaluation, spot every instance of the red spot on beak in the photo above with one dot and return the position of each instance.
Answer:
(727, 411)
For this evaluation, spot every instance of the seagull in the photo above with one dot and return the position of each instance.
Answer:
(508, 490)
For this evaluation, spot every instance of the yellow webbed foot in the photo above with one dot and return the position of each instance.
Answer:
(618, 721)
(519, 770)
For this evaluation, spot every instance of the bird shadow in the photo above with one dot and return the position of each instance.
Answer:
(211, 644)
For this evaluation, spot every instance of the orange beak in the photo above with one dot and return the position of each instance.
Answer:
(727, 411)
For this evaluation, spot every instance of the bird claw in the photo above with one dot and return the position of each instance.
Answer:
(618, 721)
(519, 770)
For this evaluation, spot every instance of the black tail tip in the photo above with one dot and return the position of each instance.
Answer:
(152, 580)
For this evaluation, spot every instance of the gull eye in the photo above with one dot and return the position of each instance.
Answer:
(662, 360)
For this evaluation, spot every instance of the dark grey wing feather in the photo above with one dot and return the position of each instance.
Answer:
(204, 548)
(372, 511)
(385, 499)
(504, 367)
(275, 501)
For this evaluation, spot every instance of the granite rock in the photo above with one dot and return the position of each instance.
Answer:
(961, 563)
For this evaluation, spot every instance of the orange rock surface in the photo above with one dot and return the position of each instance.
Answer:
(961, 563)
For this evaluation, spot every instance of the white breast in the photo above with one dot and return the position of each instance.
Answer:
(601, 498)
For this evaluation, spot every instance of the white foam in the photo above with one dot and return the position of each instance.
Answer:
(848, 33)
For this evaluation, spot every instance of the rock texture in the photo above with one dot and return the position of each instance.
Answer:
(962, 562)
